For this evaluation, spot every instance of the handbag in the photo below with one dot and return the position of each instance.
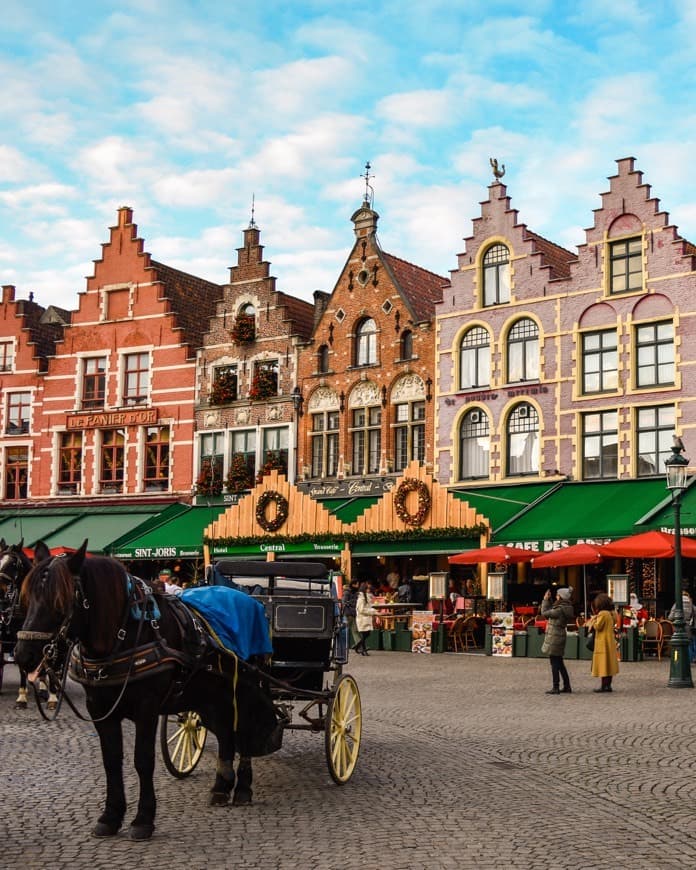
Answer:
(589, 640)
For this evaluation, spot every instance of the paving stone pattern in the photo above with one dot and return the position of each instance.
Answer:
(465, 763)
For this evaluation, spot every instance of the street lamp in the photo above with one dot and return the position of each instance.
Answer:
(679, 664)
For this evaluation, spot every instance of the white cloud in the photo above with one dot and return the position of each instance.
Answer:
(423, 108)
(200, 187)
(15, 167)
(37, 195)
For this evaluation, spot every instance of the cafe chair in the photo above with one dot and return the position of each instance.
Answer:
(454, 638)
(468, 634)
(653, 638)
(667, 632)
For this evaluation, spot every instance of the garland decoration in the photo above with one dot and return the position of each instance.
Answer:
(411, 484)
(281, 510)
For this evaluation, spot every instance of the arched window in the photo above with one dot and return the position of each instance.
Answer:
(496, 275)
(474, 445)
(523, 440)
(475, 359)
(523, 351)
(366, 343)
(323, 358)
(407, 344)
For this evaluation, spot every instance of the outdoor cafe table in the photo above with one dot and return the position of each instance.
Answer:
(395, 611)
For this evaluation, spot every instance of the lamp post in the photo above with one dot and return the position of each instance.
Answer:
(679, 664)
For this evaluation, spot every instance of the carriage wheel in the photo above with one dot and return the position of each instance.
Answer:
(182, 739)
(343, 729)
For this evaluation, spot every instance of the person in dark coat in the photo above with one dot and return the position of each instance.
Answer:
(350, 600)
(557, 614)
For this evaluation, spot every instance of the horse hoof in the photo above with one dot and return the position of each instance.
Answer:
(20, 705)
(101, 829)
(218, 799)
(141, 832)
(241, 799)
(51, 705)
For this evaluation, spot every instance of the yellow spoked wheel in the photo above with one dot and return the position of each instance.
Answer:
(343, 729)
(182, 740)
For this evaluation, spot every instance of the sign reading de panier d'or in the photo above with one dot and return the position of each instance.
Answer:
(108, 419)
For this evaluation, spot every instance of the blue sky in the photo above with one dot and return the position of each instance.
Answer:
(184, 110)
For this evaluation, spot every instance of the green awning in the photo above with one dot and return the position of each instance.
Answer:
(347, 510)
(34, 525)
(661, 517)
(178, 537)
(588, 511)
(500, 504)
(100, 526)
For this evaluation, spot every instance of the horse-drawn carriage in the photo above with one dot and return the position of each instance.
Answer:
(304, 677)
(141, 656)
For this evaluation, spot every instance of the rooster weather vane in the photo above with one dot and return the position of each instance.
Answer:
(498, 172)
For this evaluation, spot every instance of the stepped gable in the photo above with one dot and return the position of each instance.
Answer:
(421, 288)
(298, 313)
(193, 302)
(554, 257)
(43, 332)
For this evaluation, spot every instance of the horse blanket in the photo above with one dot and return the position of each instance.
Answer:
(235, 620)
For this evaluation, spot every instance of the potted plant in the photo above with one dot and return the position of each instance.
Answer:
(224, 389)
(243, 329)
(264, 384)
(209, 480)
(238, 477)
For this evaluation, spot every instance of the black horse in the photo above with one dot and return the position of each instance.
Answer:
(139, 655)
(14, 567)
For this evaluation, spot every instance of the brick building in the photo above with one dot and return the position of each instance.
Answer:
(247, 370)
(100, 401)
(366, 379)
(562, 376)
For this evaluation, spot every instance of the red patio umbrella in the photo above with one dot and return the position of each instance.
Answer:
(578, 554)
(500, 554)
(650, 545)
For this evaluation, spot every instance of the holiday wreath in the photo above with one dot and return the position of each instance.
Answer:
(410, 484)
(281, 510)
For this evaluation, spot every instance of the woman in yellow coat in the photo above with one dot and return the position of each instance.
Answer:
(605, 662)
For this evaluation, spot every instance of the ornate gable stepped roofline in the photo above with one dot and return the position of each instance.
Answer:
(298, 313)
(42, 334)
(553, 257)
(421, 288)
(193, 302)
(626, 169)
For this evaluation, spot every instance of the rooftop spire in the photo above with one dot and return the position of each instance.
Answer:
(369, 197)
(252, 222)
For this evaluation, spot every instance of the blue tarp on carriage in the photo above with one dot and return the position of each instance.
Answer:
(236, 620)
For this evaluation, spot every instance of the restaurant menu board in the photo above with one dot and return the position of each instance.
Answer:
(422, 631)
(502, 634)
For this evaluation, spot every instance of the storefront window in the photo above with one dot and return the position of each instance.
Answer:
(599, 361)
(366, 435)
(112, 465)
(523, 351)
(156, 458)
(16, 472)
(475, 359)
(474, 445)
(655, 427)
(523, 441)
(409, 433)
(324, 439)
(600, 439)
(70, 462)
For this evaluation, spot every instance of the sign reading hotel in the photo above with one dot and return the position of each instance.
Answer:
(109, 419)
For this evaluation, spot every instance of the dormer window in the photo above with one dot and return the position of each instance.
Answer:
(626, 265)
(496, 275)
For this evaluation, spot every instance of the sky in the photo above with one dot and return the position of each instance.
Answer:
(190, 110)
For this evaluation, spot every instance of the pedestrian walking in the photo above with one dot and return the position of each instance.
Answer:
(350, 600)
(605, 662)
(557, 613)
(363, 618)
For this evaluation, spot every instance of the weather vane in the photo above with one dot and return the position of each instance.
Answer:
(252, 222)
(498, 172)
(369, 191)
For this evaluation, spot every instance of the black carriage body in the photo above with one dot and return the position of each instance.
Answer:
(303, 616)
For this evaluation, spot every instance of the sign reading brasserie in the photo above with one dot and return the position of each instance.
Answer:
(108, 419)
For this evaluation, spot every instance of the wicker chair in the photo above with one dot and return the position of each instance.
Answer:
(653, 638)
(667, 632)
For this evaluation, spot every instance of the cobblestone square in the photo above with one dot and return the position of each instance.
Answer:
(465, 762)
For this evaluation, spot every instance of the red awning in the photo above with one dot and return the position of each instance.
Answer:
(578, 554)
(499, 554)
(650, 545)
